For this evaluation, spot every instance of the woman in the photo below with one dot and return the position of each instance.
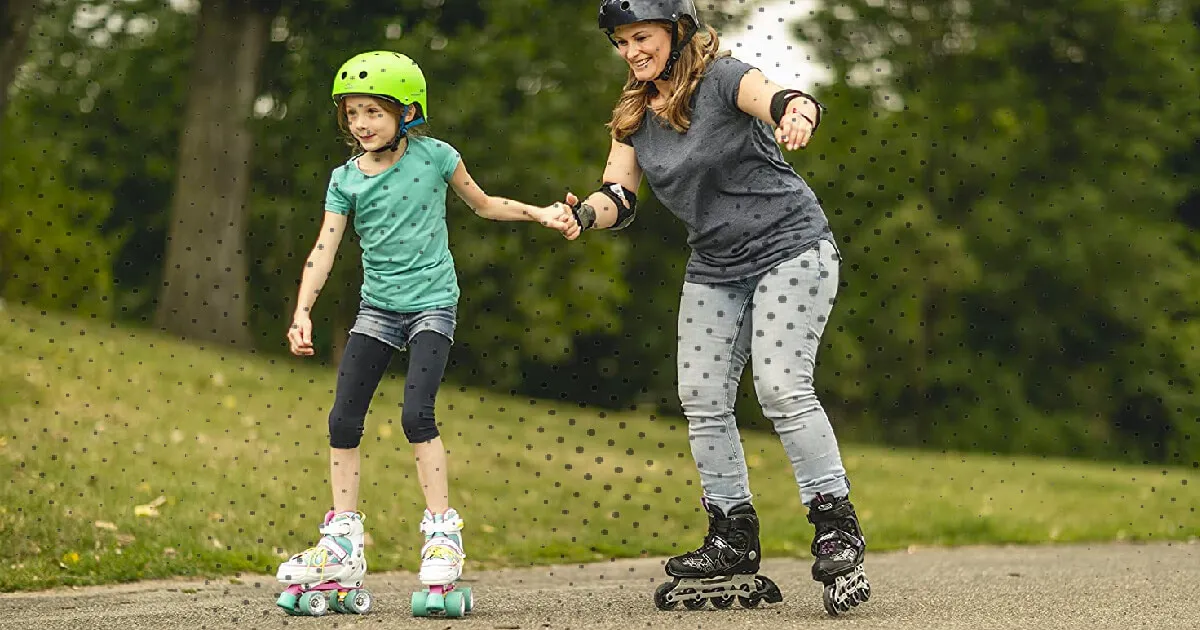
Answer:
(703, 128)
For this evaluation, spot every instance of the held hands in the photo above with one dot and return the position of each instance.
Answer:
(299, 336)
(557, 216)
(796, 127)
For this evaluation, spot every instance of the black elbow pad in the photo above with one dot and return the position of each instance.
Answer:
(624, 199)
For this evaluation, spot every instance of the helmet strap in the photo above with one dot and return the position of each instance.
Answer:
(676, 49)
(401, 132)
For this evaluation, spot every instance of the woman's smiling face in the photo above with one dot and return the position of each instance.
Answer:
(645, 46)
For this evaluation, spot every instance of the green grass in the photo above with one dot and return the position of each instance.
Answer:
(96, 420)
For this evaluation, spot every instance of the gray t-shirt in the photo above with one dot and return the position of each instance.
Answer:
(745, 208)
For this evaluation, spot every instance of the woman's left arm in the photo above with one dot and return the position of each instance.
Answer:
(798, 113)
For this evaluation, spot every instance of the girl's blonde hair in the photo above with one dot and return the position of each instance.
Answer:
(630, 110)
(389, 106)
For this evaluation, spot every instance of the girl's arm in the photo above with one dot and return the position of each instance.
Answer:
(500, 208)
(312, 280)
(797, 123)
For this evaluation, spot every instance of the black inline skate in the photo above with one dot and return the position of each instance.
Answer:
(723, 569)
(838, 549)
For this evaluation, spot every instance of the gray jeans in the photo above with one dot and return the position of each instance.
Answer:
(777, 318)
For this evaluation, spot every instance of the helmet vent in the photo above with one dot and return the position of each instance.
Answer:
(362, 75)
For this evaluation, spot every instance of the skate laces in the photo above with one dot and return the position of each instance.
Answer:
(443, 538)
(334, 546)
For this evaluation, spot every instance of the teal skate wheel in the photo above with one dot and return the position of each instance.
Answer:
(334, 602)
(418, 604)
(287, 602)
(455, 604)
(357, 602)
(468, 597)
(435, 602)
(313, 603)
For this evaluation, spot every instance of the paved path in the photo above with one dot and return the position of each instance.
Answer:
(1064, 587)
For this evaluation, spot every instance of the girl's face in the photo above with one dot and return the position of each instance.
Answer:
(645, 46)
(372, 124)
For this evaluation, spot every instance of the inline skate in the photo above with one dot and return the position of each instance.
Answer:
(838, 549)
(723, 570)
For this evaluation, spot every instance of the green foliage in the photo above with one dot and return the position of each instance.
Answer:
(53, 253)
(1014, 279)
(1004, 178)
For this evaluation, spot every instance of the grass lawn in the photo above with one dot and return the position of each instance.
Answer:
(131, 455)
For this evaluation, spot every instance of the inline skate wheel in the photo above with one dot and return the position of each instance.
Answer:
(660, 596)
(694, 604)
(750, 602)
(831, 605)
(313, 603)
(724, 602)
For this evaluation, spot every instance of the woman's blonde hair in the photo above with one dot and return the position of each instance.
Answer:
(630, 110)
(389, 106)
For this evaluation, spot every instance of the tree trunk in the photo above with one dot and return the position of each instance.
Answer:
(16, 19)
(205, 281)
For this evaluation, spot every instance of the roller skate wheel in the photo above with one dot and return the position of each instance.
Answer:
(750, 602)
(468, 597)
(455, 604)
(418, 604)
(660, 596)
(694, 604)
(357, 602)
(313, 603)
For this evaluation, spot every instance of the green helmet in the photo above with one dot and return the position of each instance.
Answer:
(385, 74)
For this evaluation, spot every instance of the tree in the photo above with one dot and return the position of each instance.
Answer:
(998, 172)
(16, 19)
(205, 284)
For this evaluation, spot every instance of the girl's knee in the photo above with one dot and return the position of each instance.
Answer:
(418, 427)
(345, 429)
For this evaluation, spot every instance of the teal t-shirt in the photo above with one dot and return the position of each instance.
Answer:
(400, 218)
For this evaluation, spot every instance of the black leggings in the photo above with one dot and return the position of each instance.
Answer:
(363, 364)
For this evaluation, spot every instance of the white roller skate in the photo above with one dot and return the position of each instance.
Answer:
(328, 576)
(441, 565)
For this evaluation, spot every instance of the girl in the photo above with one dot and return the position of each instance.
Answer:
(395, 184)
(760, 283)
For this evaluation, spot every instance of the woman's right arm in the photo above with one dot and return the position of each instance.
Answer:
(622, 169)
(312, 280)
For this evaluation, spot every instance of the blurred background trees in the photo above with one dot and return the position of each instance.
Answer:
(1013, 185)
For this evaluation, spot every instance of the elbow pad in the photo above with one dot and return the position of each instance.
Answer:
(624, 199)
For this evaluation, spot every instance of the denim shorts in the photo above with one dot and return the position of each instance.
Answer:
(398, 329)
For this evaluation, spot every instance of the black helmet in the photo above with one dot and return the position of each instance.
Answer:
(614, 13)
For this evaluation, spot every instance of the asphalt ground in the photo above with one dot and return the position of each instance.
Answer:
(1063, 587)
